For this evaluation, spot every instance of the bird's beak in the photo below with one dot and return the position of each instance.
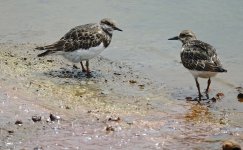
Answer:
(174, 38)
(115, 28)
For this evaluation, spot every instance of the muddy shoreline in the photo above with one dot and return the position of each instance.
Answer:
(42, 86)
(117, 108)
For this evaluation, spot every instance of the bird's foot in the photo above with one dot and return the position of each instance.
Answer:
(89, 75)
(199, 98)
(206, 93)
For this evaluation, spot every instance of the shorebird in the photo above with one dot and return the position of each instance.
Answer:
(199, 58)
(83, 42)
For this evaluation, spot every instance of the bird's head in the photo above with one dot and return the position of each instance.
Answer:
(185, 36)
(109, 25)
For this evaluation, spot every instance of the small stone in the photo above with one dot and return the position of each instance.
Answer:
(105, 92)
(239, 88)
(141, 86)
(189, 98)
(213, 99)
(48, 120)
(67, 107)
(115, 73)
(132, 81)
(18, 122)
(222, 121)
(231, 145)
(67, 72)
(220, 95)
(109, 129)
(115, 119)
(240, 95)
(36, 118)
(49, 60)
(38, 148)
(54, 118)
(10, 131)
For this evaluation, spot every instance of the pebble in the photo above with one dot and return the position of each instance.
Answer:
(10, 131)
(54, 117)
(240, 95)
(36, 118)
(231, 145)
(18, 122)
(38, 148)
(109, 129)
(114, 119)
(132, 81)
(105, 92)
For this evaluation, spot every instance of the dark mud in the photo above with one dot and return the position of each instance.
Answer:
(118, 108)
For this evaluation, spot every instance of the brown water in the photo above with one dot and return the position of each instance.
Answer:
(153, 110)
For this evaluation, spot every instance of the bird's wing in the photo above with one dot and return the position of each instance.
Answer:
(200, 56)
(80, 37)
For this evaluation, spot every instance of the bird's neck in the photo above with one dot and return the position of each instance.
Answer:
(107, 29)
(107, 39)
(184, 42)
(108, 32)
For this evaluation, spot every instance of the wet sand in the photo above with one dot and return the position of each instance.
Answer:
(119, 108)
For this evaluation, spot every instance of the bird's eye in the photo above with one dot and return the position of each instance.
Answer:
(108, 23)
(182, 35)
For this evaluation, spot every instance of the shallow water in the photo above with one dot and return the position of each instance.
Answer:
(147, 25)
(143, 45)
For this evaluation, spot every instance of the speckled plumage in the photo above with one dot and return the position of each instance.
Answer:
(198, 57)
(83, 42)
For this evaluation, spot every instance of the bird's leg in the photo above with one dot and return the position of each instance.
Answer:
(83, 69)
(207, 90)
(209, 82)
(88, 73)
(198, 88)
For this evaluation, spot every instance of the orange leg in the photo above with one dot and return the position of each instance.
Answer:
(88, 73)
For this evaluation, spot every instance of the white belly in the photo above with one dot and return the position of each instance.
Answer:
(81, 54)
(203, 74)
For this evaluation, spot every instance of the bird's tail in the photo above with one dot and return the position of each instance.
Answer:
(45, 53)
(40, 48)
(57, 46)
(219, 69)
